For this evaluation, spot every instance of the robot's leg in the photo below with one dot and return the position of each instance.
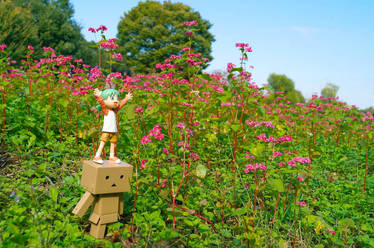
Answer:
(98, 230)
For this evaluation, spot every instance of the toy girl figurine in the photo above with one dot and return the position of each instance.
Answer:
(110, 105)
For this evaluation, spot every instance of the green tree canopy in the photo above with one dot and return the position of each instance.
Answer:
(152, 31)
(330, 90)
(279, 82)
(42, 23)
(17, 29)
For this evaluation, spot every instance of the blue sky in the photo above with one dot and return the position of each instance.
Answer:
(312, 42)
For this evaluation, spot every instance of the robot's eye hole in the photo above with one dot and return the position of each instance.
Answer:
(121, 176)
(107, 177)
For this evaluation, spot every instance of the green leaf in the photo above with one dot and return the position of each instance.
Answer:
(235, 127)
(53, 193)
(174, 212)
(276, 184)
(201, 171)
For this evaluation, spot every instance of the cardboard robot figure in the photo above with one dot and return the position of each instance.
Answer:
(110, 105)
(105, 184)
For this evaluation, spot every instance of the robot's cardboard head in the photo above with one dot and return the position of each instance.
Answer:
(106, 178)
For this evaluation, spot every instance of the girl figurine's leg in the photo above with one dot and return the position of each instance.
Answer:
(112, 157)
(97, 157)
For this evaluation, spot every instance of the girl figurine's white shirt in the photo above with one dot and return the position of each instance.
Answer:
(110, 122)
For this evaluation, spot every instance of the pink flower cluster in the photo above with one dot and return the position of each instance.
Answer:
(331, 232)
(301, 203)
(117, 56)
(155, 132)
(301, 160)
(230, 66)
(300, 178)
(261, 123)
(194, 22)
(181, 125)
(277, 154)
(101, 27)
(284, 138)
(266, 139)
(2, 47)
(194, 156)
(256, 166)
(248, 155)
(139, 110)
(143, 164)
(243, 45)
(109, 45)
(48, 49)
(164, 66)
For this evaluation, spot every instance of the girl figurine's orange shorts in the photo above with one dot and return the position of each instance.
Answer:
(112, 137)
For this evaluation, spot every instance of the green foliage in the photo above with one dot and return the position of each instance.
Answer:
(17, 28)
(223, 168)
(152, 31)
(42, 24)
(281, 83)
(330, 90)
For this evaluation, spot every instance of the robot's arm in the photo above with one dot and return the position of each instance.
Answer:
(84, 203)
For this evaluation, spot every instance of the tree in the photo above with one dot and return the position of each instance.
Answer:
(330, 90)
(283, 83)
(280, 83)
(151, 32)
(17, 29)
(42, 23)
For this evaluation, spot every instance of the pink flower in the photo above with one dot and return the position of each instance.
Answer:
(117, 56)
(301, 179)
(92, 30)
(301, 203)
(166, 151)
(156, 132)
(248, 49)
(145, 140)
(243, 45)
(292, 163)
(108, 45)
(143, 164)
(249, 156)
(181, 125)
(163, 184)
(281, 163)
(194, 156)
(48, 49)
(30, 47)
(277, 154)
(257, 166)
(189, 33)
(230, 66)
(2, 47)
(330, 231)
(101, 27)
(194, 22)
(140, 110)
(187, 104)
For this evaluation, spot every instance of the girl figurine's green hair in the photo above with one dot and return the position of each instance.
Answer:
(107, 93)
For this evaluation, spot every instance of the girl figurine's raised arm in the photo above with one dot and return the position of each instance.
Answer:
(110, 105)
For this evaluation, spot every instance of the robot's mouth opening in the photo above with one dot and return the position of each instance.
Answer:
(114, 185)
